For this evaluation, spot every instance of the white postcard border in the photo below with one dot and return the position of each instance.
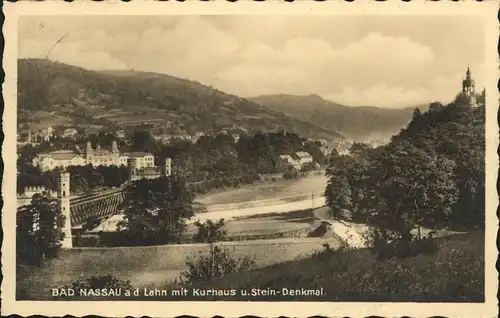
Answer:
(12, 11)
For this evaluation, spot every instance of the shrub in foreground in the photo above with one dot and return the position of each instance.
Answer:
(219, 262)
(388, 244)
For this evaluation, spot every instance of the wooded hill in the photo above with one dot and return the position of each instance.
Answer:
(51, 93)
(432, 173)
(358, 123)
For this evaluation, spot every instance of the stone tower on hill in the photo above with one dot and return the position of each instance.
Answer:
(469, 88)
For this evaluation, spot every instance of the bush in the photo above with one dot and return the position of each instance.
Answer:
(325, 253)
(220, 262)
(309, 166)
(387, 244)
(86, 240)
(289, 175)
(210, 232)
(91, 223)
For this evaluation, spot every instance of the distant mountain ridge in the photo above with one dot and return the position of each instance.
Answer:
(359, 123)
(52, 93)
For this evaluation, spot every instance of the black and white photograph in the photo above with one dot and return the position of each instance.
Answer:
(177, 158)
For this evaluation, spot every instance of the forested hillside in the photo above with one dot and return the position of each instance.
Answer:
(432, 173)
(51, 93)
(358, 123)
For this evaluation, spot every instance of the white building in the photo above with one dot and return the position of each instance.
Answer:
(63, 158)
(298, 159)
(136, 172)
(95, 157)
(143, 159)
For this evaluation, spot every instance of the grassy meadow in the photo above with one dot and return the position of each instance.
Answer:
(454, 274)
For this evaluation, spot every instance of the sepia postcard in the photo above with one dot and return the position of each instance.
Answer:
(264, 158)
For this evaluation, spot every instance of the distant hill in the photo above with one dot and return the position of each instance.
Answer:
(360, 123)
(52, 93)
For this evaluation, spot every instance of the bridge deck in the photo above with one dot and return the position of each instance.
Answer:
(97, 205)
(94, 196)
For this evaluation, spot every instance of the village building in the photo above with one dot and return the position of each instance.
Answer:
(120, 134)
(297, 159)
(28, 192)
(46, 134)
(70, 133)
(236, 137)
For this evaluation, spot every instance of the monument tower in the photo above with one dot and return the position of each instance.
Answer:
(469, 88)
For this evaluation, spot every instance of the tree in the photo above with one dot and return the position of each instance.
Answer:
(144, 141)
(338, 192)
(411, 187)
(39, 229)
(359, 150)
(156, 210)
(210, 231)
(416, 113)
(435, 107)
(456, 133)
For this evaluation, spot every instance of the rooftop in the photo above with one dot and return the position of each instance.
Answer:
(303, 154)
(59, 155)
(102, 152)
(136, 154)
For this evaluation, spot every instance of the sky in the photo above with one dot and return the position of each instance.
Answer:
(387, 61)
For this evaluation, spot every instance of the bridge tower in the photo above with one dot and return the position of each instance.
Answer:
(167, 168)
(63, 180)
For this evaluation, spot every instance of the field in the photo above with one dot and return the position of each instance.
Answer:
(42, 119)
(268, 190)
(149, 115)
(267, 224)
